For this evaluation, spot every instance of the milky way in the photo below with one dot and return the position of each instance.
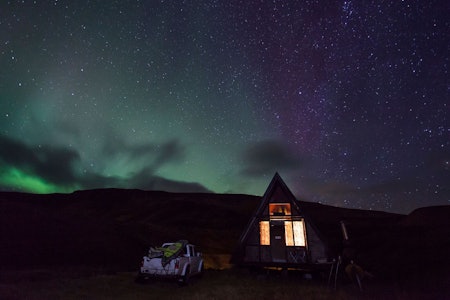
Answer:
(347, 100)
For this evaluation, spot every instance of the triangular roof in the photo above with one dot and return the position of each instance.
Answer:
(276, 182)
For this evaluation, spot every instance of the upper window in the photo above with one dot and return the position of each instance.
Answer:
(280, 209)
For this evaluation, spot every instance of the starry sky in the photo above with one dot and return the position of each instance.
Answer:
(347, 100)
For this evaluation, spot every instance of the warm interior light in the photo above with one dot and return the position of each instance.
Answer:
(299, 233)
(264, 233)
(294, 233)
(288, 233)
(280, 209)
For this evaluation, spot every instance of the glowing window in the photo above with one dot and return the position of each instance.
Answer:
(294, 233)
(280, 209)
(264, 232)
(289, 236)
(299, 233)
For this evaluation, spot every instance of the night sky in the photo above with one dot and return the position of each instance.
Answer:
(347, 100)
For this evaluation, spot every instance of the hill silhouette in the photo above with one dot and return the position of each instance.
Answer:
(113, 228)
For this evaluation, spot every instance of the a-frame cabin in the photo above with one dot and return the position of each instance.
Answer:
(280, 234)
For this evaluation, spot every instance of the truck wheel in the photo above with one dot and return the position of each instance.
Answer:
(202, 271)
(185, 278)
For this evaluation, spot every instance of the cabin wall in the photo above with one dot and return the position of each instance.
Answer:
(266, 255)
(278, 195)
(253, 238)
(277, 252)
(315, 245)
(251, 254)
(296, 255)
(252, 247)
(255, 253)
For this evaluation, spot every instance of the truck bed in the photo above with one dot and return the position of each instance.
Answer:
(153, 266)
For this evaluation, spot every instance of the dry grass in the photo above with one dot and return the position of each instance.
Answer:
(88, 284)
(226, 284)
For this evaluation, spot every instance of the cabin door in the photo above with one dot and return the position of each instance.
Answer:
(277, 242)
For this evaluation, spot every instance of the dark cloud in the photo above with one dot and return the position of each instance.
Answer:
(56, 166)
(171, 151)
(53, 164)
(95, 180)
(146, 180)
(66, 129)
(148, 155)
(267, 157)
(114, 146)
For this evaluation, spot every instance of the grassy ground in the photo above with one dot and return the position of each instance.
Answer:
(226, 284)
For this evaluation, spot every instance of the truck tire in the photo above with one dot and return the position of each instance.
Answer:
(202, 271)
(185, 278)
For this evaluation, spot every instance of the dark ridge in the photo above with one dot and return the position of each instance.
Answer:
(113, 228)
(428, 216)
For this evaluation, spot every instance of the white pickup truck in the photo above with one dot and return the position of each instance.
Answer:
(177, 260)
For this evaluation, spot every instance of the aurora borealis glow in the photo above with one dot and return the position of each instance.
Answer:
(348, 100)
